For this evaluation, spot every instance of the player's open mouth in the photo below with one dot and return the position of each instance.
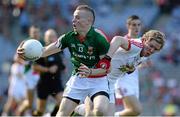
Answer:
(74, 26)
(148, 53)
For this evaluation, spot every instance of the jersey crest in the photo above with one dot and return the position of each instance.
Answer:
(90, 50)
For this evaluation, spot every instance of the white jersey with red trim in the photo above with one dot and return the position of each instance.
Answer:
(126, 58)
(17, 88)
(123, 70)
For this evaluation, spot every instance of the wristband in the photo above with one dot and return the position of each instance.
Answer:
(104, 63)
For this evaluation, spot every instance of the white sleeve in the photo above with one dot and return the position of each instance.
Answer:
(58, 43)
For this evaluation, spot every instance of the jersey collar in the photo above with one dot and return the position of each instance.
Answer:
(89, 34)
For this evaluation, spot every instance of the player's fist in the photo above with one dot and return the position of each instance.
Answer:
(104, 63)
(84, 71)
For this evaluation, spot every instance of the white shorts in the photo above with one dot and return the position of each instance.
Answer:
(18, 90)
(127, 85)
(112, 92)
(79, 88)
(31, 79)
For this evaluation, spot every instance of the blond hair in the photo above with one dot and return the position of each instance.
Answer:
(154, 35)
(87, 8)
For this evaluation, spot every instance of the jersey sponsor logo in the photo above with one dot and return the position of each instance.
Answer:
(90, 50)
(84, 56)
(131, 65)
(127, 68)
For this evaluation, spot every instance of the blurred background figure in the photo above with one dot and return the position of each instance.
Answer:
(18, 15)
(17, 87)
(50, 83)
(31, 76)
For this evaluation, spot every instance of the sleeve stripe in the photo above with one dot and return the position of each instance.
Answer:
(103, 34)
(129, 45)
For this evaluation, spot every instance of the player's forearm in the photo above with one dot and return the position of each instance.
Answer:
(49, 50)
(84, 71)
(114, 45)
(117, 41)
(98, 72)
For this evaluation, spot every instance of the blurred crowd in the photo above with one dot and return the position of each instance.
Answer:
(159, 82)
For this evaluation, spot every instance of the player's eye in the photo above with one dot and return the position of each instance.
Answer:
(133, 25)
(155, 49)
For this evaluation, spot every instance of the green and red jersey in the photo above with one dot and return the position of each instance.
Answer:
(88, 51)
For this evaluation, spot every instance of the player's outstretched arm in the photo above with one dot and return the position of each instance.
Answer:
(50, 49)
(117, 41)
(54, 47)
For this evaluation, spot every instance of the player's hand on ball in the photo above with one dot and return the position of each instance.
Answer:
(84, 71)
(20, 51)
(30, 50)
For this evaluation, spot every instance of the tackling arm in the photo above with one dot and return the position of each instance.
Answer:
(102, 68)
(84, 71)
(117, 41)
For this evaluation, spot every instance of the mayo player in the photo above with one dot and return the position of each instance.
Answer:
(134, 27)
(86, 46)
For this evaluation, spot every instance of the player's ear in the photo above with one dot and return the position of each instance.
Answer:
(90, 20)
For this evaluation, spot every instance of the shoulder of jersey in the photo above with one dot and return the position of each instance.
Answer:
(136, 42)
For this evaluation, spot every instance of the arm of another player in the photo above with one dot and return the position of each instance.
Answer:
(103, 66)
(118, 41)
(84, 71)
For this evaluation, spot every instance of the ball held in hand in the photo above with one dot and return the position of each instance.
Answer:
(33, 49)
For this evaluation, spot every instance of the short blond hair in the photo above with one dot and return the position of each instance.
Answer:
(154, 35)
(87, 8)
